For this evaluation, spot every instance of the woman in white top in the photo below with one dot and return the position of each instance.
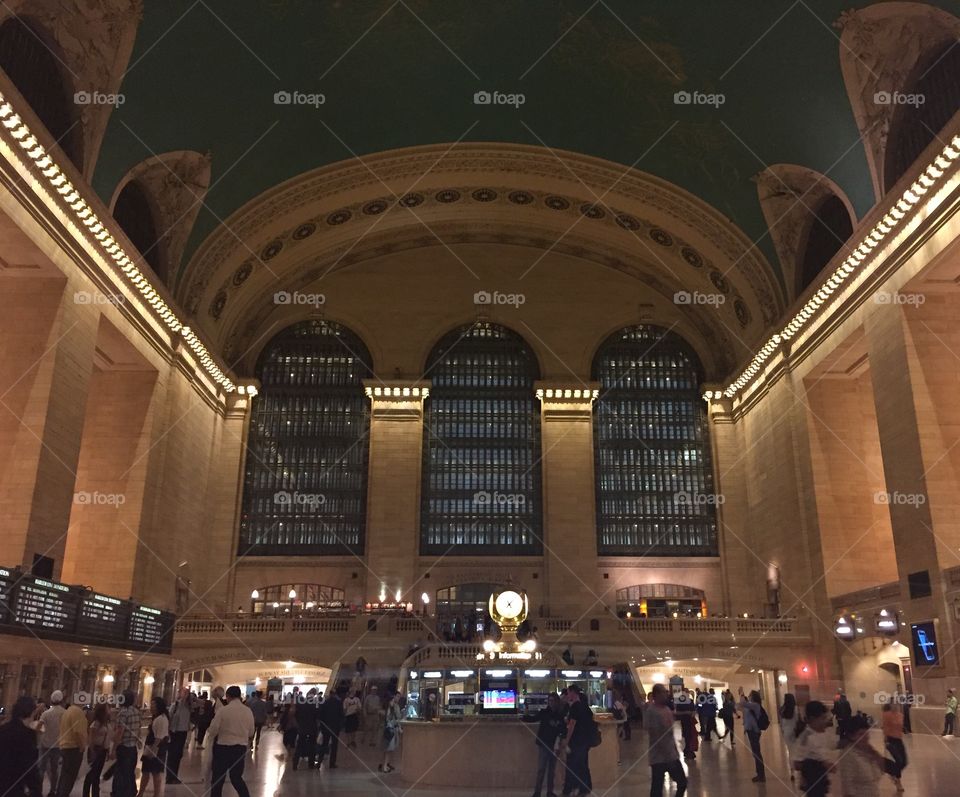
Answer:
(789, 717)
(154, 758)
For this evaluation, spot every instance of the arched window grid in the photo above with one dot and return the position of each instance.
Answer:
(481, 454)
(306, 473)
(654, 480)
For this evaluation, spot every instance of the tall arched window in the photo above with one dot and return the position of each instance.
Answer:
(931, 99)
(654, 478)
(481, 446)
(29, 61)
(306, 470)
(134, 214)
(830, 228)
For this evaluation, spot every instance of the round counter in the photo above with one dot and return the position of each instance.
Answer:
(490, 753)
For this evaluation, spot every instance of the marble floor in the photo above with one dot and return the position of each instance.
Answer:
(933, 771)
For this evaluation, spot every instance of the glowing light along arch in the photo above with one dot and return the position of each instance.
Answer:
(58, 186)
(887, 226)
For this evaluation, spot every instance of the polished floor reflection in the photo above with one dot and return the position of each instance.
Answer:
(934, 771)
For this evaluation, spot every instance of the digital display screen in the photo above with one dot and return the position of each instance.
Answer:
(499, 700)
(102, 617)
(924, 640)
(146, 626)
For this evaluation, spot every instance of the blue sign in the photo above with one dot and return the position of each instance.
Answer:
(924, 639)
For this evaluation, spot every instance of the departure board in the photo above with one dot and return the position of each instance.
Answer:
(147, 626)
(6, 581)
(45, 605)
(103, 618)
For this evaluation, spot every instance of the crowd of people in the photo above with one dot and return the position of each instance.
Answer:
(817, 758)
(48, 742)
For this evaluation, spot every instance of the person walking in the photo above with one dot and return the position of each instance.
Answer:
(664, 758)
(755, 722)
(231, 729)
(391, 732)
(710, 710)
(351, 717)
(258, 706)
(892, 723)
(789, 721)
(581, 731)
(20, 774)
(179, 728)
(842, 712)
(686, 709)
(728, 713)
(50, 740)
(550, 731)
(949, 717)
(331, 724)
(98, 748)
(153, 762)
(305, 713)
(126, 737)
(73, 743)
(372, 709)
(816, 752)
(861, 766)
(205, 714)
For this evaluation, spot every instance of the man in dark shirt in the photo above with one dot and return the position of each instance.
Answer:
(580, 733)
(19, 772)
(552, 727)
(305, 712)
(331, 723)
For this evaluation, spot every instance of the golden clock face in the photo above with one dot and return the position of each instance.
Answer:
(509, 604)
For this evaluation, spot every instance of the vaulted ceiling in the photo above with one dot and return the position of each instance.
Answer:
(598, 78)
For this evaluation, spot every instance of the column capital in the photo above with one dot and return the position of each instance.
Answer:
(566, 400)
(397, 399)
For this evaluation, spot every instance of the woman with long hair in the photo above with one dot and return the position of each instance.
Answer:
(391, 731)
(98, 747)
(153, 762)
(789, 721)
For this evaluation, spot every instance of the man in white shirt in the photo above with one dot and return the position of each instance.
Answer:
(232, 729)
(50, 740)
(816, 751)
(664, 758)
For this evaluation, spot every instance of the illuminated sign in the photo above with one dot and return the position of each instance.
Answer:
(924, 639)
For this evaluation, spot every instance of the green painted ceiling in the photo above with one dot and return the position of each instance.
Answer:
(598, 78)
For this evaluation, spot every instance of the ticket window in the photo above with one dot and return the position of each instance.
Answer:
(499, 692)
(592, 683)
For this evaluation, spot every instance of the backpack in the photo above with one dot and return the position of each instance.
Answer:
(595, 737)
(763, 721)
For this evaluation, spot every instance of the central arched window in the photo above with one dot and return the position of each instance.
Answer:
(306, 469)
(654, 478)
(481, 446)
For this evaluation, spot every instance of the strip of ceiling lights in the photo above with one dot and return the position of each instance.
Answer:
(883, 229)
(64, 190)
